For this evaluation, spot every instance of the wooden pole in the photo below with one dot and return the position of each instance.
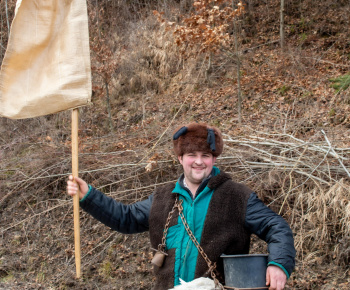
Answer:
(75, 172)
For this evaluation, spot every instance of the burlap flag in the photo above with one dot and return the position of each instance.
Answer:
(46, 68)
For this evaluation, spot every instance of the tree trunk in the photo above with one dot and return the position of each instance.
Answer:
(98, 20)
(7, 19)
(239, 103)
(208, 70)
(282, 25)
(108, 106)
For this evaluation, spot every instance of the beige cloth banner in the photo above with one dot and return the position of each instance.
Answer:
(46, 68)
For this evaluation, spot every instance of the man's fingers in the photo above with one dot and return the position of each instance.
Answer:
(267, 277)
(275, 278)
(72, 187)
(71, 178)
(77, 185)
(78, 180)
(74, 180)
(272, 286)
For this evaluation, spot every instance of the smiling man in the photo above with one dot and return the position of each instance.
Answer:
(202, 216)
(197, 166)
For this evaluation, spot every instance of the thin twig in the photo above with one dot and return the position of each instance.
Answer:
(335, 154)
(33, 216)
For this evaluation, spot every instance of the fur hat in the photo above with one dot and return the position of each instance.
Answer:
(198, 137)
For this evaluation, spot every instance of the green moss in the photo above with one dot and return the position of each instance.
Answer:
(341, 82)
(8, 278)
(332, 113)
(302, 37)
(283, 90)
(40, 277)
(106, 269)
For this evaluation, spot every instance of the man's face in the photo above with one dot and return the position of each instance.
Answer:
(197, 166)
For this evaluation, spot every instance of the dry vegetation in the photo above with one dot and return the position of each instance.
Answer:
(293, 145)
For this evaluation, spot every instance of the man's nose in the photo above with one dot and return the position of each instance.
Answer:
(199, 160)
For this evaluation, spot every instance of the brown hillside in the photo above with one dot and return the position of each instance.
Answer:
(292, 145)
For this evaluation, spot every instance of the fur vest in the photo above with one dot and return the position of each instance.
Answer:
(224, 227)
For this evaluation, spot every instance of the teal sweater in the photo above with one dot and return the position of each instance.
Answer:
(195, 211)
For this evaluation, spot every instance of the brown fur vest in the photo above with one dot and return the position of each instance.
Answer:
(223, 232)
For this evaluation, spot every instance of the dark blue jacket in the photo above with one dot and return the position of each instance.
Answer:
(259, 220)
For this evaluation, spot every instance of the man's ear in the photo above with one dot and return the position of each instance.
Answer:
(180, 158)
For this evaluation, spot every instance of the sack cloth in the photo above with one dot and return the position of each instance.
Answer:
(46, 68)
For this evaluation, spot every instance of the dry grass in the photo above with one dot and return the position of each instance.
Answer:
(307, 183)
(151, 62)
(323, 227)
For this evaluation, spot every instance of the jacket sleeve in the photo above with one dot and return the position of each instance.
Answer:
(127, 219)
(274, 230)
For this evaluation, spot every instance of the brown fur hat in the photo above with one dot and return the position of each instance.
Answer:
(198, 137)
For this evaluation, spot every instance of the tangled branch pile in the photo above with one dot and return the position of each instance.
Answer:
(305, 181)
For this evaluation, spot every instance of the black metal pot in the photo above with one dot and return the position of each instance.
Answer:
(245, 271)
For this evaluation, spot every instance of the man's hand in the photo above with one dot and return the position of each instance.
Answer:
(76, 183)
(275, 278)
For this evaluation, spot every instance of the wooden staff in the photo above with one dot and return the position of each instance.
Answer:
(75, 172)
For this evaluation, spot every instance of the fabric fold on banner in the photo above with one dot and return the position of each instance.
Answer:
(46, 68)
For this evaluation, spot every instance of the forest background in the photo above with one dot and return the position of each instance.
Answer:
(281, 99)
